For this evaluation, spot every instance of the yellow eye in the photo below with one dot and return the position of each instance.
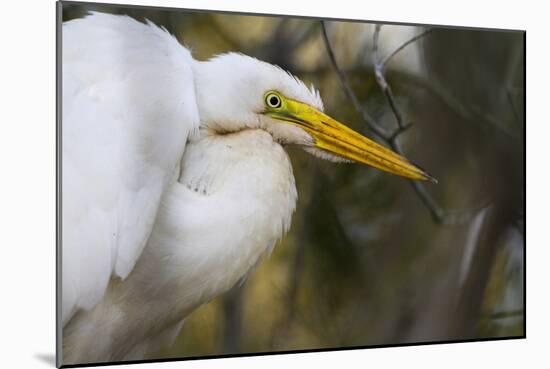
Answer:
(273, 100)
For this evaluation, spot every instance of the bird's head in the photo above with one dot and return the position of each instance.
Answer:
(237, 92)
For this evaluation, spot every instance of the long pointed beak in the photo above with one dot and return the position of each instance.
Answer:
(336, 138)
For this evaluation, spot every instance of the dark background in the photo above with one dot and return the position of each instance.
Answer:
(369, 259)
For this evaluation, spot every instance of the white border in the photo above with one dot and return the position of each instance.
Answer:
(27, 162)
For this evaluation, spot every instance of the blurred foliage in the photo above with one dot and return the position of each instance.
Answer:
(364, 263)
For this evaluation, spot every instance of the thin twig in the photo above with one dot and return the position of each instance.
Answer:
(398, 132)
(371, 123)
(427, 199)
(375, 38)
(492, 121)
(404, 45)
(467, 112)
(381, 78)
(438, 214)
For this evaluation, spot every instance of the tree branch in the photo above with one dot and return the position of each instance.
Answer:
(439, 215)
(380, 76)
(371, 123)
(404, 45)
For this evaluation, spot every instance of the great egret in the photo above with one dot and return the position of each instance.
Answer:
(175, 179)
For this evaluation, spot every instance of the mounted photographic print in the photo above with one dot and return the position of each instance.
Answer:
(240, 184)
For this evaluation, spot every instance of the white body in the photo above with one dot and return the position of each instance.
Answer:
(173, 185)
(213, 226)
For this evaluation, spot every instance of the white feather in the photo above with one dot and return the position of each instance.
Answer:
(235, 200)
(128, 107)
(178, 225)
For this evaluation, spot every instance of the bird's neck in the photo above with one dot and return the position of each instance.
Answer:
(234, 200)
(240, 161)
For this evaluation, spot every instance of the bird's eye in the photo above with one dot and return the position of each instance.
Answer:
(273, 100)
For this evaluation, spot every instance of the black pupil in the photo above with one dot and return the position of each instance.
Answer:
(274, 100)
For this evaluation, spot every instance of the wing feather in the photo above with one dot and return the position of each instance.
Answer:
(128, 108)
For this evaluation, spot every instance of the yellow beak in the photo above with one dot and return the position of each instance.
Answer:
(336, 138)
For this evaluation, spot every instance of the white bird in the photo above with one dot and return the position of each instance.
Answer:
(175, 180)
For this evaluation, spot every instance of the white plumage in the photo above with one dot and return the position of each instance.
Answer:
(124, 131)
(129, 104)
(174, 178)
